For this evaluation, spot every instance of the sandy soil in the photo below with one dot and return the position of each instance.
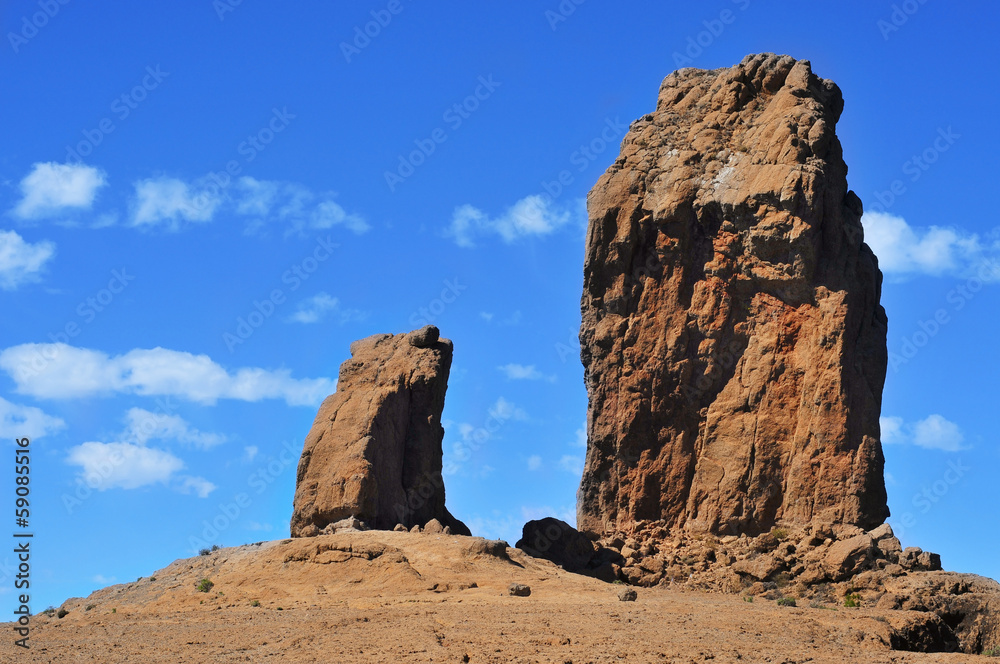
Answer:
(401, 597)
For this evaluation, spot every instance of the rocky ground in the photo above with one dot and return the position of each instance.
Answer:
(381, 596)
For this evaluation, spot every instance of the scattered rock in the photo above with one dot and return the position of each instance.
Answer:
(849, 557)
(425, 337)
(434, 527)
(400, 528)
(348, 525)
(494, 548)
(518, 590)
(627, 595)
(374, 450)
(732, 337)
(415, 529)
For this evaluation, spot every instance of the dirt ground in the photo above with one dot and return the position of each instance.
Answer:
(402, 597)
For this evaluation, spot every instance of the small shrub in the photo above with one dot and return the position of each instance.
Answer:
(204, 552)
(204, 585)
(783, 579)
(89, 607)
(152, 578)
(992, 652)
(114, 610)
(779, 534)
(62, 613)
(254, 603)
(852, 600)
(50, 611)
(280, 609)
(215, 547)
(786, 601)
(748, 599)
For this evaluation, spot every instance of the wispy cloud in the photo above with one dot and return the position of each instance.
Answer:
(534, 462)
(22, 262)
(522, 372)
(17, 421)
(51, 188)
(904, 250)
(122, 465)
(532, 216)
(197, 485)
(933, 433)
(571, 464)
(60, 371)
(322, 305)
(142, 426)
(172, 203)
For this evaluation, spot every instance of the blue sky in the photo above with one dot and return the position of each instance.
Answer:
(202, 204)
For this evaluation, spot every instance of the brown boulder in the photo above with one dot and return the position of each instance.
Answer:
(374, 450)
(732, 338)
(846, 558)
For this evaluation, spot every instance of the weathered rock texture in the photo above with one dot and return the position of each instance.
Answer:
(733, 341)
(374, 450)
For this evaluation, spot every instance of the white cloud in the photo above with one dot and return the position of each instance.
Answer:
(100, 578)
(534, 462)
(933, 433)
(571, 464)
(17, 421)
(531, 216)
(254, 525)
(22, 262)
(196, 485)
(60, 371)
(51, 188)
(504, 410)
(169, 201)
(122, 465)
(143, 426)
(581, 437)
(904, 250)
(317, 307)
(522, 372)
(486, 316)
(292, 205)
(249, 453)
(892, 430)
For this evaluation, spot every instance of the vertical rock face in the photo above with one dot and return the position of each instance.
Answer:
(732, 336)
(374, 450)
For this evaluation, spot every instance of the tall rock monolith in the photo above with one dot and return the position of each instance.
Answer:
(733, 341)
(374, 450)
